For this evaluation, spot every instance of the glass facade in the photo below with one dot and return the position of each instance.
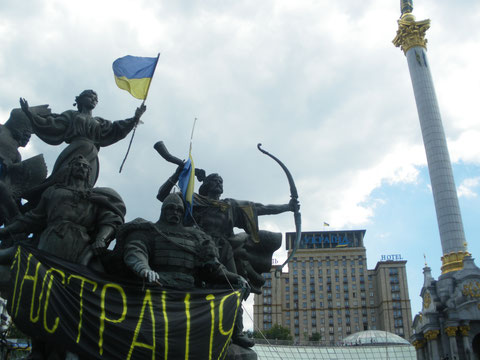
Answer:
(395, 352)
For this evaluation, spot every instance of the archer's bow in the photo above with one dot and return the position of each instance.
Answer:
(296, 212)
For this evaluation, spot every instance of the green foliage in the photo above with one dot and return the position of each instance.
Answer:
(277, 332)
(315, 337)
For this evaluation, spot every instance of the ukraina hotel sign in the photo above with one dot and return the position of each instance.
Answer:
(102, 317)
(327, 239)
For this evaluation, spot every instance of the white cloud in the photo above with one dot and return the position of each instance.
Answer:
(467, 188)
(319, 83)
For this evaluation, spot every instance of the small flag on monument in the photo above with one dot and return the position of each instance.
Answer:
(186, 182)
(134, 74)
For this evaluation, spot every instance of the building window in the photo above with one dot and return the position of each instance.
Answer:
(393, 271)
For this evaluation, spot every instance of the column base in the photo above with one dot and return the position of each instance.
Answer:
(453, 261)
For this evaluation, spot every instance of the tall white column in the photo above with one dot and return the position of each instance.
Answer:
(449, 217)
(411, 38)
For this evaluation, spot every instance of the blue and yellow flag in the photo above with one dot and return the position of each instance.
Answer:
(186, 182)
(134, 74)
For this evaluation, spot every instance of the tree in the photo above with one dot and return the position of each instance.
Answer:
(316, 336)
(277, 332)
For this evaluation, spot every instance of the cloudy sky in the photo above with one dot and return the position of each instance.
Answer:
(317, 82)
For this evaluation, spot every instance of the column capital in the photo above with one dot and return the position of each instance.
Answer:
(411, 33)
(431, 334)
(464, 329)
(418, 344)
(451, 330)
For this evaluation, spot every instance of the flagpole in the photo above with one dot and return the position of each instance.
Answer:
(191, 137)
(136, 124)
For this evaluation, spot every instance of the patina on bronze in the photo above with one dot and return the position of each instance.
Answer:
(248, 254)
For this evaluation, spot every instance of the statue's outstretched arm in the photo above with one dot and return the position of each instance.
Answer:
(276, 209)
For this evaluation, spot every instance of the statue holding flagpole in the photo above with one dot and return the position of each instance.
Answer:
(84, 133)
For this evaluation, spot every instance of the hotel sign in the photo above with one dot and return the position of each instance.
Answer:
(327, 239)
(337, 240)
(392, 257)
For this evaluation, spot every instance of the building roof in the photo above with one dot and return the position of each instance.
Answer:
(275, 352)
(377, 337)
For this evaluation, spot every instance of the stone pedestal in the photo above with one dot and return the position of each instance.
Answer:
(236, 352)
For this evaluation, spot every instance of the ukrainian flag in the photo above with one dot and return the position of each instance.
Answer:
(186, 182)
(134, 74)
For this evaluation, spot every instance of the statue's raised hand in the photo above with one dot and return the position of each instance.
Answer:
(24, 106)
(139, 112)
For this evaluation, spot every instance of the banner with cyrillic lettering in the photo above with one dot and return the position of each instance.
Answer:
(98, 316)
